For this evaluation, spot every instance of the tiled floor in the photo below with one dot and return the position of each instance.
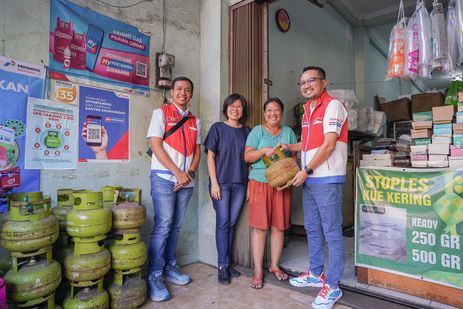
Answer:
(205, 292)
(295, 259)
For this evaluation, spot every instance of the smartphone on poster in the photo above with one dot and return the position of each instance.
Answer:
(94, 130)
(94, 39)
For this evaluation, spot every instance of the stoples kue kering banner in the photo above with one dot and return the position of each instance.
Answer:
(410, 222)
(18, 81)
(103, 125)
(51, 139)
(85, 45)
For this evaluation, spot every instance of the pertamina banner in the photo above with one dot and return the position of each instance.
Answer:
(18, 81)
(410, 222)
(85, 45)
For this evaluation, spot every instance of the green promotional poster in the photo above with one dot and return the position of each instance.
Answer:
(410, 222)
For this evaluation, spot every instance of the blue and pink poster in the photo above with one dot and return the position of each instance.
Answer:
(18, 81)
(103, 125)
(88, 45)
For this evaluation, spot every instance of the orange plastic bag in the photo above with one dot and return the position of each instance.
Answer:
(396, 56)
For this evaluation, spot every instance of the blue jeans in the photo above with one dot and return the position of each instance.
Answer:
(227, 210)
(169, 210)
(322, 205)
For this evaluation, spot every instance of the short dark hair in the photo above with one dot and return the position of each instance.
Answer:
(276, 100)
(320, 71)
(230, 100)
(182, 78)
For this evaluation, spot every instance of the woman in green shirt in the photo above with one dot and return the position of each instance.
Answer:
(268, 208)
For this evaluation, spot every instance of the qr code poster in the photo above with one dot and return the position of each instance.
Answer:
(103, 125)
(51, 135)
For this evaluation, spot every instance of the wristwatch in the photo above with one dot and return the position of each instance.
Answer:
(192, 174)
(308, 171)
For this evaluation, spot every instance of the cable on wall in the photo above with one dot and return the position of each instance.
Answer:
(123, 6)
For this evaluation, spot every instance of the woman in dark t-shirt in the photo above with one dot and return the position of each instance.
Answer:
(228, 177)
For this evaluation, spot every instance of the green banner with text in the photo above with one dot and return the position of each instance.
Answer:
(410, 222)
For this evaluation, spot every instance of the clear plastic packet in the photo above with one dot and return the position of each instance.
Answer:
(412, 47)
(425, 36)
(439, 36)
(459, 25)
(396, 55)
(452, 45)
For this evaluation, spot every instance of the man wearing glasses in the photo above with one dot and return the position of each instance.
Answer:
(324, 158)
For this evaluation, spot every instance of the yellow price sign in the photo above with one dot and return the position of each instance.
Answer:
(66, 95)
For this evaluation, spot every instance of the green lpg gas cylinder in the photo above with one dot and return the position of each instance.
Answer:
(5, 261)
(128, 253)
(29, 235)
(88, 298)
(87, 267)
(129, 195)
(110, 195)
(89, 223)
(64, 206)
(33, 206)
(62, 248)
(131, 294)
(128, 215)
(86, 200)
(34, 280)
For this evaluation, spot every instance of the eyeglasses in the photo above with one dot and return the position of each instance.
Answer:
(309, 81)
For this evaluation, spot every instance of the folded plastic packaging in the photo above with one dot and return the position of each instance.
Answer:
(452, 39)
(352, 120)
(378, 124)
(439, 36)
(396, 55)
(365, 120)
(412, 48)
(459, 24)
(424, 36)
(347, 96)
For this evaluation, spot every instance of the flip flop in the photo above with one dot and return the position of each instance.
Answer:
(256, 282)
(279, 274)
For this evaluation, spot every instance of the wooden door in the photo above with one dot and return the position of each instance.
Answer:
(248, 72)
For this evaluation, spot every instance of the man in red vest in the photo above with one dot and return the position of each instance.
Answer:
(324, 158)
(175, 137)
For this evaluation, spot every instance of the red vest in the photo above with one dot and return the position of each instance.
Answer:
(183, 140)
(314, 132)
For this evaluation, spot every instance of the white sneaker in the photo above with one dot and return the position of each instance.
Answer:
(308, 279)
(327, 297)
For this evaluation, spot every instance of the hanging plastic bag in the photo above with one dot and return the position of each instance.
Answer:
(439, 36)
(424, 37)
(396, 55)
(412, 48)
(452, 36)
(459, 25)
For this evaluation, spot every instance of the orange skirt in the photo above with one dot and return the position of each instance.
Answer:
(268, 207)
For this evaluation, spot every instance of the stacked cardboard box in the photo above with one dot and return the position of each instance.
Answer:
(382, 153)
(439, 148)
(375, 159)
(421, 135)
(419, 155)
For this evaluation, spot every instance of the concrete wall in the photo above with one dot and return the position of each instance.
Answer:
(24, 27)
(214, 89)
(318, 37)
